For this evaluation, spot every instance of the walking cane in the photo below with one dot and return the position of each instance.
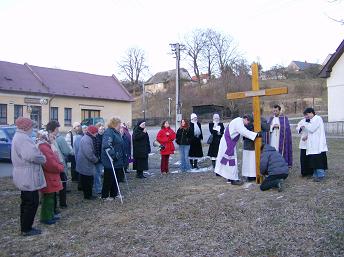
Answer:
(126, 181)
(114, 173)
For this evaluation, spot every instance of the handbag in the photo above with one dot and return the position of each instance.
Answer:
(210, 139)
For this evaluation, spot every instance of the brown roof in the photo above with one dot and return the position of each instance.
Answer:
(39, 80)
(327, 68)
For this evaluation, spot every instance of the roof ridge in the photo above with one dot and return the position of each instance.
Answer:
(36, 75)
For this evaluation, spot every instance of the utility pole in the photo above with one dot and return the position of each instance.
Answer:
(169, 107)
(176, 49)
(143, 101)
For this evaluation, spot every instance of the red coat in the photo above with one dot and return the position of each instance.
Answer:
(52, 169)
(166, 140)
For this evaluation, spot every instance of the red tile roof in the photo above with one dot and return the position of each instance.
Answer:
(39, 80)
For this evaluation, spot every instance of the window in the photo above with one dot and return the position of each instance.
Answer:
(54, 113)
(68, 116)
(18, 111)
(3, 114)
(85, 114)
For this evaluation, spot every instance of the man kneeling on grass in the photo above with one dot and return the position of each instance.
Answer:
(273, 167)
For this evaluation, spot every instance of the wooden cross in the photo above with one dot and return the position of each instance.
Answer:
(255, 94)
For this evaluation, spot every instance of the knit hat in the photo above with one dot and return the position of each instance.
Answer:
(75, 124)
(139, 122)
(92, 129)
(193, 115)
(24, 123)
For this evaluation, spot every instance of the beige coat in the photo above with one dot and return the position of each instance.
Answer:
(27, 163)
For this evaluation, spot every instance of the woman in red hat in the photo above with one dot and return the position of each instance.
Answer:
(166, 136)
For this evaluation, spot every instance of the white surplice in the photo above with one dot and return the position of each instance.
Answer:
(304, 134)
(236, 127)
(316, 142)
(275, 133)
(248, 163)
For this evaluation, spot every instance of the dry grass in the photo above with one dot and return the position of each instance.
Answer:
(193, 214)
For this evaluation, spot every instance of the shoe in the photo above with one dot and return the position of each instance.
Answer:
(57, 217)
(237, 182)
(318, 179)
(280, 185)
(107, 199)
(91, 198)
(48, 222)
(32, 232)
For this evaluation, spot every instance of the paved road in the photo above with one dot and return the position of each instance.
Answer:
(5, 169)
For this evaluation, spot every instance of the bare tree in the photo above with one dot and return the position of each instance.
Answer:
(133, 65)
(225, 51)
(208, 52)
(194, 44)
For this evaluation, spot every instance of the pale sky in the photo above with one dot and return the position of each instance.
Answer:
(92, 35)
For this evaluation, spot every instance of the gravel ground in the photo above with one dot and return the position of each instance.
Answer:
(191, 214)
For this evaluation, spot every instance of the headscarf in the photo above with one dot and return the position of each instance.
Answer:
(216, 119)
(197, 131)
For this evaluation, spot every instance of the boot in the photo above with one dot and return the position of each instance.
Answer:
(195, 164)
(191, 163)
(139, 174)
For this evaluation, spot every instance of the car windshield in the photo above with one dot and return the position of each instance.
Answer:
(10, 132)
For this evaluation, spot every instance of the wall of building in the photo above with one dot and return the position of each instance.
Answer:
(107, 108)
(154, 88)
(335, 89)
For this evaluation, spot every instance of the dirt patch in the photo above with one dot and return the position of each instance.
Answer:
(191, 214)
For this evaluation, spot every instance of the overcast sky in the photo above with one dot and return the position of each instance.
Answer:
(92, 35)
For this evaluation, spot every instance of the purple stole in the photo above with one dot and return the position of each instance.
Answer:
(231, 143)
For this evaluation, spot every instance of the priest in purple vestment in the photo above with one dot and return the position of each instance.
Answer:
(280, 135)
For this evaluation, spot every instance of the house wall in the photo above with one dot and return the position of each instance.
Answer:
(107, 108)
(335, 89)
(154, 88)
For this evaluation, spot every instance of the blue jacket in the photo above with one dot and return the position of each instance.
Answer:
(112, 140)
(272, 162)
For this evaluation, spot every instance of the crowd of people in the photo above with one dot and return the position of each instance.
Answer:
(100, 155)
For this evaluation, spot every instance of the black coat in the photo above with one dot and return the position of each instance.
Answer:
(141, 149)
(195, 143)
(183, 136)
(214, 146)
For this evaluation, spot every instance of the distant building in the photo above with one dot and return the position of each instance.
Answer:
(301, 66)
(333, 71)
(158, 83)
(45, 94)
(203, 78)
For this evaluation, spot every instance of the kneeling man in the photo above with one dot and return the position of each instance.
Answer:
(274, 167)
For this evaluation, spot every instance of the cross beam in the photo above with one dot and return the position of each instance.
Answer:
(255, 94)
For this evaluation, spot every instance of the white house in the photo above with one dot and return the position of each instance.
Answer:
(333, 71)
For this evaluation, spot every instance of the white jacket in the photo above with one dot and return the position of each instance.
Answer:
(316, 142)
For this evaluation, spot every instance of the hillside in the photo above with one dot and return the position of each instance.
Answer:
(301, 93)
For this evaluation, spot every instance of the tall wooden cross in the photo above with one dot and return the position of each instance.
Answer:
(255, 94)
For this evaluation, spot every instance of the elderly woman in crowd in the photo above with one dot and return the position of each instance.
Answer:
(86, 161)
(27, 173)
(97, 185)
(114, 145)
(52, 168)
(63, 151)
(141, 148)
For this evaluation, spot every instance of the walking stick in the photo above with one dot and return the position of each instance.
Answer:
(126, 181)
(114, 173)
